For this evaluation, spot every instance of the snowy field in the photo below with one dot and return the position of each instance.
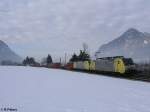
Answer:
(30, 89)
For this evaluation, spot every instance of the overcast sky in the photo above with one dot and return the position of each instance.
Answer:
(39, 27)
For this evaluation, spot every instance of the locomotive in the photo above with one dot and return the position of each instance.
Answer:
(117, 64)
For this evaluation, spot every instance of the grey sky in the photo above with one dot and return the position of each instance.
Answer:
(39, 27)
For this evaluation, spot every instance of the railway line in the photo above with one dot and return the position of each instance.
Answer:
(140, 77)
(118, 67)
(129, 76)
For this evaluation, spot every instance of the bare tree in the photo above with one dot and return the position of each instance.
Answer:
(85, 47)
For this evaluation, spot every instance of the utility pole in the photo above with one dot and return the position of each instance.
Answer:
(60, 60)
(65, 58)
(96, 54)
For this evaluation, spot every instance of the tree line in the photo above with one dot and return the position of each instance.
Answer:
(83, 56)
(31, 61)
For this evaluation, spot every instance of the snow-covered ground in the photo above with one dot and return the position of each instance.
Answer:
(30, 89)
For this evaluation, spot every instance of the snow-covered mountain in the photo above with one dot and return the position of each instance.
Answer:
(132, 43)
(6, 54)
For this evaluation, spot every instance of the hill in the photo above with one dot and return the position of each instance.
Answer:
(6, 54)
(132, 43)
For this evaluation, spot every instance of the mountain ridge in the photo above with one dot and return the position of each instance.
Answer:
(6, 54)
(132, 43)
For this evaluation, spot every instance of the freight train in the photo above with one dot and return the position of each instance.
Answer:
(118, 64)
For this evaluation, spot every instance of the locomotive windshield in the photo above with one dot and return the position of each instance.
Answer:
(128, 61)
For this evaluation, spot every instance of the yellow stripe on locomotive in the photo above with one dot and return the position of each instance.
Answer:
(92, 65)
(119, 66)
(86, 65)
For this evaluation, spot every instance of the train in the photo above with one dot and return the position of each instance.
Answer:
(117, 64)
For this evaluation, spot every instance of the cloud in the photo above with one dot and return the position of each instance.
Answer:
(58, 26)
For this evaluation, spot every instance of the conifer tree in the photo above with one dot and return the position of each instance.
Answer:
(49, 59)
(29, 61)
(74, 58)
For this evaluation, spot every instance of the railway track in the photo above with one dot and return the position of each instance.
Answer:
(134, 76)
(139, 77)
